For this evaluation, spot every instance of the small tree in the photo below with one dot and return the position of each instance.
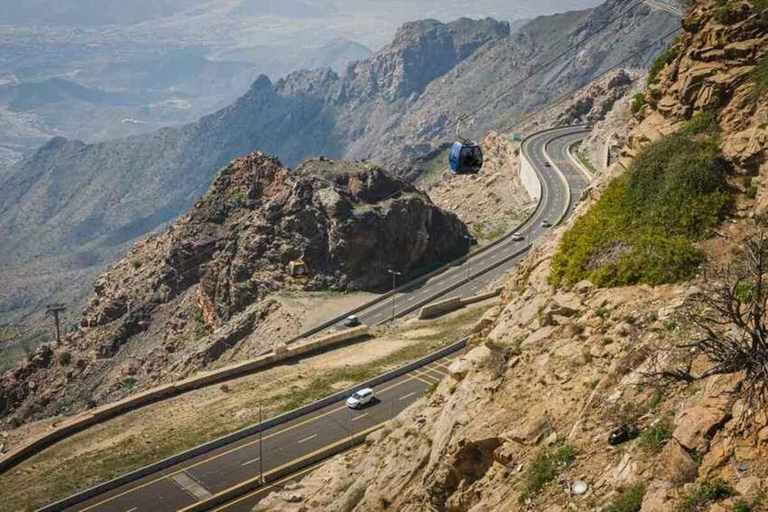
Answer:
(728, 318)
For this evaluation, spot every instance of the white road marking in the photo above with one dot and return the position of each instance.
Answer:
(360, 416)
(132, 509)
(407, 396)
(191, 486)
(308, 438)
(251, 461)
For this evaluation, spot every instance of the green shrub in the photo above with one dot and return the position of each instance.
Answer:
(663, 60)
(544, 468)
(643, 227)
(638, 102)
(726, 13)
(653, 440)
(750, 506)
(136, 263)
(705, 493)
(759, 77)
(630, 499)
(752, 192)
(354, 497)
(65, 358)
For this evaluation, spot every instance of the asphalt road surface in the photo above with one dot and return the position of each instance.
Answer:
(201, 477)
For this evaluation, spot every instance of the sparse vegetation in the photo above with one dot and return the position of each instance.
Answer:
(65, 358)
(643, 227)
(663, 60)
(726, 12)
(545, 467)
(199, 325)
(354, 496)
(735, 296)
(630, 499)
(638, 102)
(703, 494)
(603, 312)
(759, 77)
(136, 263)
(653, 439)
(129, 382)
(750, 505)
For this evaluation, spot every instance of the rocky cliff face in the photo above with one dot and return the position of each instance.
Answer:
(527, 411)
(181, 299)
(390, 108)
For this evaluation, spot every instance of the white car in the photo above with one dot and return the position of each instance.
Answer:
(360, 398)
(516, 237)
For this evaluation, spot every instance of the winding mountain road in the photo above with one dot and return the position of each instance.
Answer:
(197, 480)
(485, 268)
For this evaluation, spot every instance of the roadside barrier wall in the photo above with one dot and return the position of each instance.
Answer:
(446, 306)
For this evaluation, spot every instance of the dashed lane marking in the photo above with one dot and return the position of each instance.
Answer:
(407, 396)
(257, 459)
(308, 438)
(355, 418)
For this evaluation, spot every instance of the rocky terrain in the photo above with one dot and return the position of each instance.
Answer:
(205, 287)
(523, 422)
(390, 108)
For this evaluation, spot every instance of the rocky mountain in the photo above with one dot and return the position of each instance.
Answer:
(579, 397)
(390, 108)
(180, 300)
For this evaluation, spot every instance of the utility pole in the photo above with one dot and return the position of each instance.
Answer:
(469, 248)
(394, 286)
(54, 310)
(261, 452)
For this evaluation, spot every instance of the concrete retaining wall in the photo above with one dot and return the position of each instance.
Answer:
(438, 308)
(481, 297)
(106, 412)
(529, 178)
(235, 436)
(446, 306)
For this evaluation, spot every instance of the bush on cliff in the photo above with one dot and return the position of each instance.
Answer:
(643, 227)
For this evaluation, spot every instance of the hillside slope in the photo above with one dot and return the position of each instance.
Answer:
(527, 412)
(207, 286)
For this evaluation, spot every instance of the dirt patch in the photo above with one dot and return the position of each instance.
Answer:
(419, 333)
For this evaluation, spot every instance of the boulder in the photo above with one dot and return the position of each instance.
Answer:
(675, 464)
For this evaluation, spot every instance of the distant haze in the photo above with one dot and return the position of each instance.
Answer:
(371, 22)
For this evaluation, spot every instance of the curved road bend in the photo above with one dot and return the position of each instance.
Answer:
(552, 206)
(201, 477)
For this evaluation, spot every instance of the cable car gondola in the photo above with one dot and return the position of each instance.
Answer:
(466, 156)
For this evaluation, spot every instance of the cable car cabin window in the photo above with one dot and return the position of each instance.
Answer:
(466, 158)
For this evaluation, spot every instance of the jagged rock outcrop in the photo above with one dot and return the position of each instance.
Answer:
(181, 299)
(555, 367)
